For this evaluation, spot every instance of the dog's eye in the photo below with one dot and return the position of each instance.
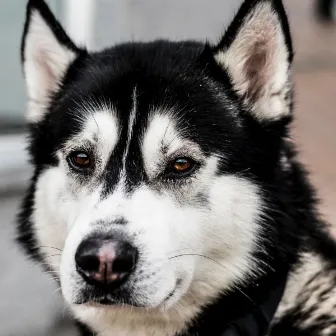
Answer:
(182, 166)
(79, 161)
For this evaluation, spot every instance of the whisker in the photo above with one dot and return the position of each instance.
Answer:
(53, 279)
(198, 255)
(40, 262)
(55, 291)
(51, 247)
(50, 255)
(51, 272)
(217, 262)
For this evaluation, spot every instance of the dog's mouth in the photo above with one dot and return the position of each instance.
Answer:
(108, 300)
(105, 302)
(171, 294)
(167, 301)
(97, 297)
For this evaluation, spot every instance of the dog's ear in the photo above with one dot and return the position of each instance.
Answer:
(46, 53)
(256, 51)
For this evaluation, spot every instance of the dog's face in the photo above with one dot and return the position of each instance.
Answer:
(150, 159)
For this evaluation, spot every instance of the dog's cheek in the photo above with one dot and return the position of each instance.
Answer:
(50, 209)
(230, 233)
(164, 232)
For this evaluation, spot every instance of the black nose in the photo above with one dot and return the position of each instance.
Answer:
(105, 261)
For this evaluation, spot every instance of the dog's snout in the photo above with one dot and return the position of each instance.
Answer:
(105, 261)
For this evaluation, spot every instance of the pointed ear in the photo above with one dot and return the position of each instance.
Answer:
(46, 53)
(256, 51)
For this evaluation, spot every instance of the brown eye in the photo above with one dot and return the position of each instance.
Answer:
(79, 161)
(182, 167)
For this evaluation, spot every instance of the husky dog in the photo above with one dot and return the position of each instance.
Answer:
(166, 197)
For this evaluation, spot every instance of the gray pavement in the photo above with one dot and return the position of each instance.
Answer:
(28, 304)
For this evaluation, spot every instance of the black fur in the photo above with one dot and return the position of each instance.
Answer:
(185, 77)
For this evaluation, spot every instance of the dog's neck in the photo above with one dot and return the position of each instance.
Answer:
(247, 312)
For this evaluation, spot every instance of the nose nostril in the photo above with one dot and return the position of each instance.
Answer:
(123, 265)
(89, 263)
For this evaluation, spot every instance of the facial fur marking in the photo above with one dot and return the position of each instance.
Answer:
(131, 123)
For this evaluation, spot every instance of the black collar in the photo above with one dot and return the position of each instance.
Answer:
(256, 322)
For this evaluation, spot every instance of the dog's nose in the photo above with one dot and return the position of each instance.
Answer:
(105, 261)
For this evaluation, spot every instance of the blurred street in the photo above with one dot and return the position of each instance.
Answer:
(315, 101)
(29, 305)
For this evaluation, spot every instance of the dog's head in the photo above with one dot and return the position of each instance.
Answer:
(150, 159)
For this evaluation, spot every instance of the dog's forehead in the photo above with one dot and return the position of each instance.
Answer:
(159, 130)
(165, 73)
(158, 81)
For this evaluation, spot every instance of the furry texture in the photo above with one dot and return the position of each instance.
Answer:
(213, 243)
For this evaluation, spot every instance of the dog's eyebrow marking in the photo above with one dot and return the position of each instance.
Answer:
(131, 123)
(99, 129)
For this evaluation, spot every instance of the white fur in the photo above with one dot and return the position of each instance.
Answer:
(162, 224)
(131, 122)
(45, 63)
(261, 33)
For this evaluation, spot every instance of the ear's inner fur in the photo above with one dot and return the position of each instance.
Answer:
(47, 53)
(257, 56)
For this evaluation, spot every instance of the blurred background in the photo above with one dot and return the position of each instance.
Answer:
(29, 304)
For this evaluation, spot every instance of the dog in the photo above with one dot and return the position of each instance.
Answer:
(167, 198)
